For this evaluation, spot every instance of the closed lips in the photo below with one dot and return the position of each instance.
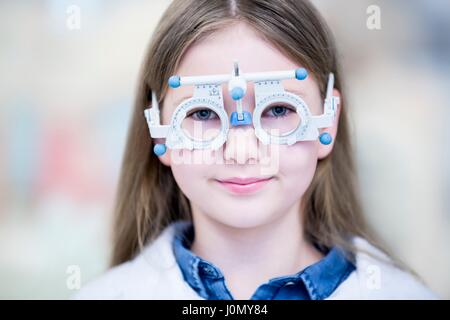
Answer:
(244, 186)
(244, 181)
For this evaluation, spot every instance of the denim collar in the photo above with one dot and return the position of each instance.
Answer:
(320, 278)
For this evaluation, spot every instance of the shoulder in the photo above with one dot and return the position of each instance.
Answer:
(152, 274)
(109, 285)
(377, 277)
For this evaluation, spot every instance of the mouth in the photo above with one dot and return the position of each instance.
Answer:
(241, 185)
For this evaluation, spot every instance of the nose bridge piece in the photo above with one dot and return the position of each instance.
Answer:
(246, 119)
(237, 88)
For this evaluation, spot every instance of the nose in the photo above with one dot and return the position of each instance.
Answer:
(241, 146)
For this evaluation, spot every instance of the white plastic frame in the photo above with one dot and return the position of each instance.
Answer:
(268, 89)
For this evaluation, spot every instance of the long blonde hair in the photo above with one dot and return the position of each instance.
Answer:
(148, 198)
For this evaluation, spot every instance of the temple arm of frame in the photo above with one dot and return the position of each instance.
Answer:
(330, 107)
(153, 120)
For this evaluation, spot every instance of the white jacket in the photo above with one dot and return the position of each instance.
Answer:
(154, 274)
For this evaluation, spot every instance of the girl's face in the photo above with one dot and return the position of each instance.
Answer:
(287, 172)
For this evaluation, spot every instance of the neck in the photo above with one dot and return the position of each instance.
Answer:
(275, 249)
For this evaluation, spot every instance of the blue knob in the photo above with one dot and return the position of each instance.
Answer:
(237, 93)
(174, 81)
(159, 149)
(301, 73)
(325, 138)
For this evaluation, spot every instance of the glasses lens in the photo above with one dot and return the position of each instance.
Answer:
(280, 119)
(202, 124)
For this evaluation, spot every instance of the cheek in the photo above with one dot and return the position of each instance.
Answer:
(190, 174)
(298, 164)
(295, 169)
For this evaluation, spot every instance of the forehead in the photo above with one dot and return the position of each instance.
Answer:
(216, 53)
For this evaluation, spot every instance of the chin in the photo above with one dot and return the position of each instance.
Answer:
(244, 218)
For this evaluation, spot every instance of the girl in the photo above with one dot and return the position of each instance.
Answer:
(203, 214)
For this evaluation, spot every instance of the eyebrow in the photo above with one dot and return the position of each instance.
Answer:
(178, 101)
(295, 91)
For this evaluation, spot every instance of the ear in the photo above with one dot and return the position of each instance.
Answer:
(324, 150)
(166, 158)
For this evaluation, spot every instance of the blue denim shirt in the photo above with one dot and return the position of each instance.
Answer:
(315, 282)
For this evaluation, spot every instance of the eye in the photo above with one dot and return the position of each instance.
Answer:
(203, 114)
(278, 111)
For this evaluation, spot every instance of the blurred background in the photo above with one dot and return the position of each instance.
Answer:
(67, 80)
